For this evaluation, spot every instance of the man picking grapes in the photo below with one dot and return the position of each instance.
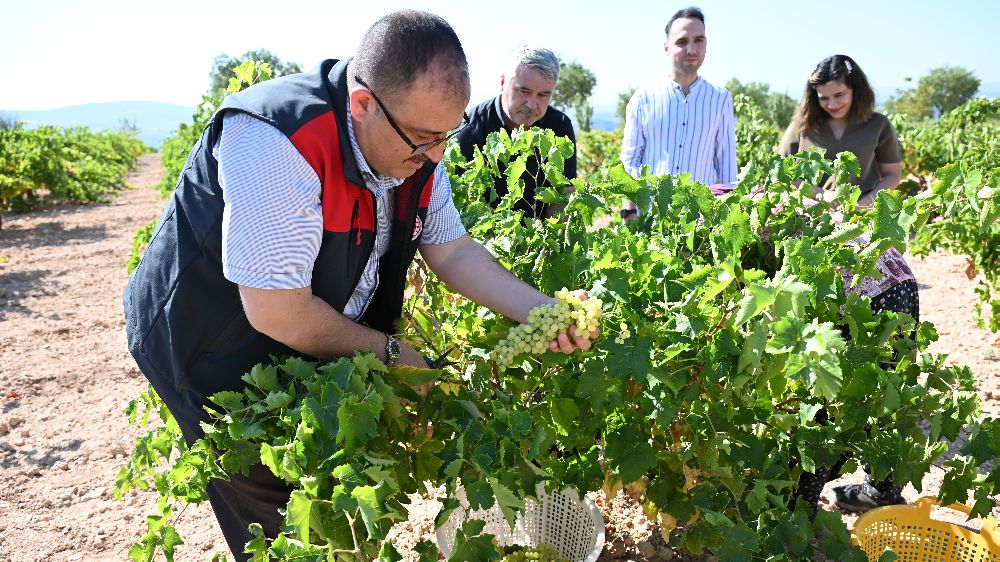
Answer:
(293, 225)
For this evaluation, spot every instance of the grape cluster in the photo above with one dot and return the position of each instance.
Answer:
(541, 553)
(545, 322)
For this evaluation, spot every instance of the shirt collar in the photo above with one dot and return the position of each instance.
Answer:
(694, 85)
(371, 178)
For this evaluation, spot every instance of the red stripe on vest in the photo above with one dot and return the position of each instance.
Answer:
(319, 144)
(404, 195)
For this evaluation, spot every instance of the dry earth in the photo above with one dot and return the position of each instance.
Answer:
(65, 378)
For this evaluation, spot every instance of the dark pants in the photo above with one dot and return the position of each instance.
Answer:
(244, 499)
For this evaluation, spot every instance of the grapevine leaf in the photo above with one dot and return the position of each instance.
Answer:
(845, 233)
(368, 504)
(514, 173)
(271, 458)
(358, 422)
(887, 555)
(757, 298)
(753, 346)
(388, 552)
(426, 462)
(365, 363)
(470, 544)
(278, 399)
(507, 500)
(427, 550)
(738, 544)
(889, 219)
(479, 494)
(300, 514)
(631, 358)
(448, 506)
(264, 377)
(807, 412)
(299, 368)
(565, 415)
(414, 376)
(229, 400)
(628, 456)
(169, 539)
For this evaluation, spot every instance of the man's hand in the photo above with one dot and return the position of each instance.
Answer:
(570, 341)
(409, 356)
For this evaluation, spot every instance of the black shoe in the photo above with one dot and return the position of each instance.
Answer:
(863, 497)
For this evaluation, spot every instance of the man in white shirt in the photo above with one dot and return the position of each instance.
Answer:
(682, 123)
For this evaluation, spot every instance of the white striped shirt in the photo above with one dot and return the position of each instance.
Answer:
(673, 133)
(272, 224)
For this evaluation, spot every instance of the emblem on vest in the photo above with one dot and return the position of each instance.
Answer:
(418, 227)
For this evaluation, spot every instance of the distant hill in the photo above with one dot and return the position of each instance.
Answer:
(154, 120)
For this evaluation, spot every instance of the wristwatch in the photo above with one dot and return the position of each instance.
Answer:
(391, 351)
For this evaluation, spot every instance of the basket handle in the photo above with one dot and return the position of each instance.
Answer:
(927, 502)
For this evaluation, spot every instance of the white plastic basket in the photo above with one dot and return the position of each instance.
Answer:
(573, 526)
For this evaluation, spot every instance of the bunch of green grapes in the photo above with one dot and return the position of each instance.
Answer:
(541, 553)
(547, 321)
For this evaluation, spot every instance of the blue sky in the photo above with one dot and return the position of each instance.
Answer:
(57, 53)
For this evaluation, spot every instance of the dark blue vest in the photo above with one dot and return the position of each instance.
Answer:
(185, 324)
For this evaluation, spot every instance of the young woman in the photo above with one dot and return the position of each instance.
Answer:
(837, 114)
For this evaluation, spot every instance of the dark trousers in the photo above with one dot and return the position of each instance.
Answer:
(244, 499)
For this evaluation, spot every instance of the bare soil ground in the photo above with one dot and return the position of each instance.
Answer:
(65, 378)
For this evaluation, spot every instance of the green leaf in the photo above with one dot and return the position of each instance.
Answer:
(471, 545)
(229, 400)
(756, 298)
(300, 514)
(413, 376)
(366, 363)
(369, 505)
(388, 553)
(565, 415)
(358, 422)
(845, 233)
(889, 219)
(753, 346)
(299, 368)
(628, 454)
(508, 502)
(278, 399)
(263, 377)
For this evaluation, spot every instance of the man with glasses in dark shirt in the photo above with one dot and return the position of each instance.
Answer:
(292, 227)
(525, 92)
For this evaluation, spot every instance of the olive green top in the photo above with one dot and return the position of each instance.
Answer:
(873, 142)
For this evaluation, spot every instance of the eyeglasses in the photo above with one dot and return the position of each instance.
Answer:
(417, 148)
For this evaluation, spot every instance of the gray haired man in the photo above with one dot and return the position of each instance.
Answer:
(525, 92)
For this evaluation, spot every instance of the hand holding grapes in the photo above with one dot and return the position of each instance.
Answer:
(582, 334)
(569, 322)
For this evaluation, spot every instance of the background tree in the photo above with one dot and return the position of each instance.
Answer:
(223, 66)
(949, 87)
(776, 108)
(912, 102)
(623, 99)
(943, 89)
(8, 121)
(576, 84)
